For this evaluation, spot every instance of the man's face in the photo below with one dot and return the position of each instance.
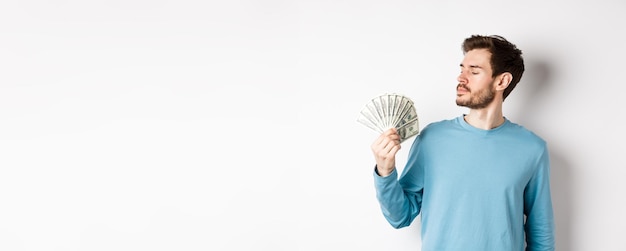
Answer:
(476, 87)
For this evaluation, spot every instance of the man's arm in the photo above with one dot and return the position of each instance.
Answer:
(400, 201)
(539, 224)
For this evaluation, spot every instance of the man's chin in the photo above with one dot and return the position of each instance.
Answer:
(461, 102)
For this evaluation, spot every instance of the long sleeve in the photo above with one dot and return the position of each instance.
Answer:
(539, 224)
(401, 200)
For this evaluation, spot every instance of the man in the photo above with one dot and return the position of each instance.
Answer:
(480, 181)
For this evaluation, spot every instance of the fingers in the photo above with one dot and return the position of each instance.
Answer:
(391, 131)
(391, 134)
(385, 148)
(387, 144)
(390, 149)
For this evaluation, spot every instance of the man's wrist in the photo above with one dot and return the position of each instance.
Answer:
(384, 173)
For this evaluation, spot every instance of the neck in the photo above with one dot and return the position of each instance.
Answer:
(486, 118)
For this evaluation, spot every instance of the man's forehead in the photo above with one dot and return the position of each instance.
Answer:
(477, 58)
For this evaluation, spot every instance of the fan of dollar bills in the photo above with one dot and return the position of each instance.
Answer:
(391, 110)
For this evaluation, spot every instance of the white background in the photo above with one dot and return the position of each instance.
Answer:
(231, 125)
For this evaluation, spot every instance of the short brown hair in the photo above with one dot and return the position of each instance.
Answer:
(505, 57)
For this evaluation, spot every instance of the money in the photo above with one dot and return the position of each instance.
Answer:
(391, 110)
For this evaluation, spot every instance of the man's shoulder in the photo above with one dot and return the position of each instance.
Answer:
(438, 129)
(441, 124)
(526, 134)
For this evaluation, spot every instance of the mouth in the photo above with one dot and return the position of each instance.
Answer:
(460, 90)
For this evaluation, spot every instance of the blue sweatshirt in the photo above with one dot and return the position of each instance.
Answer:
(476, 190)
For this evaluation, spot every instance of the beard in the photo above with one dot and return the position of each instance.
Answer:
(478, 100)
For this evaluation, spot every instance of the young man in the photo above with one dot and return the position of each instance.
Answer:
(480, 181)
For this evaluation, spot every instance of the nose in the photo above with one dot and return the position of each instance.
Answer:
(462, 78)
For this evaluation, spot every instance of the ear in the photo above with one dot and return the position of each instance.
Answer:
(503, 81)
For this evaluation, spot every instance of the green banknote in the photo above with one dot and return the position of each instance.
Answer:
(391, 110)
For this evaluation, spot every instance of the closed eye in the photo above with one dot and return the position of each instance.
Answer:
(474, 69)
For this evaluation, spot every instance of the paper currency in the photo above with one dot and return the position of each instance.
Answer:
(391, 110)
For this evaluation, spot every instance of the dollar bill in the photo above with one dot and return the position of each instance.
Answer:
(408, 130)
(391, 111)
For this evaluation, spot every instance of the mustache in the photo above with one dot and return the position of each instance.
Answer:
(463, 86)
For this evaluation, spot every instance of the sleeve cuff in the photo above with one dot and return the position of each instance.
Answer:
(392, 176)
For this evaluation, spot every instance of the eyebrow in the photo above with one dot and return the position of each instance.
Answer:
(471, 66)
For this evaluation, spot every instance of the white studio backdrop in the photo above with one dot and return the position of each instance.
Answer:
(231, 125)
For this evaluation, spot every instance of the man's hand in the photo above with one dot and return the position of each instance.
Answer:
(385, 149)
